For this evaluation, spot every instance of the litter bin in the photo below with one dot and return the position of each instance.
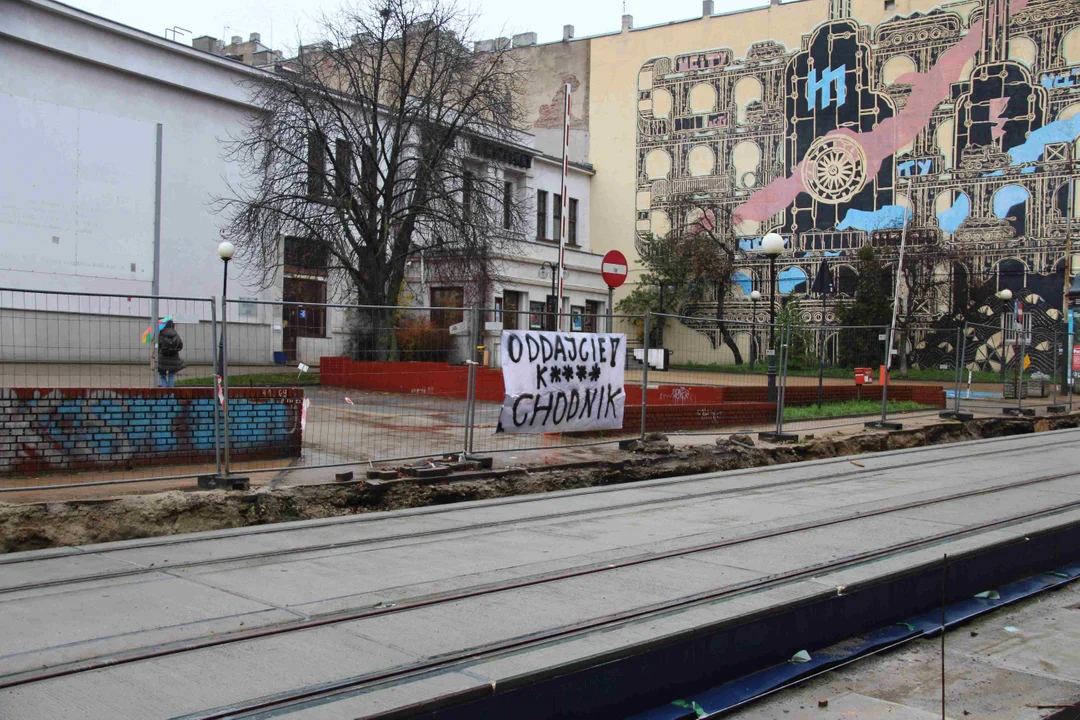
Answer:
(279, 358)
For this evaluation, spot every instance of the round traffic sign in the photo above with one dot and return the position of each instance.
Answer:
(613, 267)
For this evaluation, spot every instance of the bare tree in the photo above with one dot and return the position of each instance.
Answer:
(695, 256)
(374, 144)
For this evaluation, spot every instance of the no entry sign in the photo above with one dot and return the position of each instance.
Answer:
(614, 268)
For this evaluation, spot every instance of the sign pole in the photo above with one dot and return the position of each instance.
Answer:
(565, 204)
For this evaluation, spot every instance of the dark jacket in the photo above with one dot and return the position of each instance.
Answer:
(169, 347)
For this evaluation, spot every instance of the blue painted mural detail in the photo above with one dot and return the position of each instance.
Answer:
(949, 220)
(791, 280)
(742, 280)
(888, 217)
(819, 90)
(1054, 132)
(1008, 197)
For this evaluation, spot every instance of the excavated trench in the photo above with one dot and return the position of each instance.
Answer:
(79, 522)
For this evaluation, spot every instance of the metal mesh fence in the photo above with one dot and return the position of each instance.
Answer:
(75, 369)
(318, 385)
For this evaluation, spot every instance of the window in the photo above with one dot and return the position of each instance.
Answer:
(316, 164)
(453, 297)
(467, 185)
(508, 201)
(511, 306)
(557, 218)
(577, 318)
(541, 214)
(305, 256)
(890, 5)
(497, 316)
(343, 154)
(537, 310)
(592, 314)
(571, 223)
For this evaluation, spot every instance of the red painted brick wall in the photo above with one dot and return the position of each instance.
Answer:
(670, 407)
(57, 429)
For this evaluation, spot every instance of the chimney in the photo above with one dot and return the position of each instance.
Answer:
(482, 46)
(254, 37)
(774, 3)
(525, 39)
(627, 23)
(236, 40)
(502, 43)
(706, 8)
(206, 43)
(567, 32)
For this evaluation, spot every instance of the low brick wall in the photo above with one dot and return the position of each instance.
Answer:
(411, 378)
(670, 407)
(54, 429)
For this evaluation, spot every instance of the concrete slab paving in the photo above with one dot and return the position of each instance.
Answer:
(400, 561)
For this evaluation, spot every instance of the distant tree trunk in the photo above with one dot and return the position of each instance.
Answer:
(729, 341)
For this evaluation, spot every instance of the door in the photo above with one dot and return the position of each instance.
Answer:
(306, 318)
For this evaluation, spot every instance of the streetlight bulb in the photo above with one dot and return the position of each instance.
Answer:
(226, 250)
(755, 295)
(772, 245)
(1005, 294)
(543, 272)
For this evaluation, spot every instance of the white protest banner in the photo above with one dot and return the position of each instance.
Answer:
(562, 382)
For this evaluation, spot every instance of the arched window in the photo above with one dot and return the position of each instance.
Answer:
(847, 280)
(1022, 50)
(746, 158)
(702, 98)
(1070, 46)
(1011, 202)
(792, 280)
(944, 139)
(701, 161)
(661, 223)
(661, 103)
(1011, 274)
(895, 68)
(657, 164)
(741, 282)
(952, 208)
(746, 91)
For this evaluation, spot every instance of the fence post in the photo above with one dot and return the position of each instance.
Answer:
(1022, 345)
(214, 389)
(1054, 376)
(961, 361)
(470, 392)
(781, 389)
(225, 379)
(645, 375)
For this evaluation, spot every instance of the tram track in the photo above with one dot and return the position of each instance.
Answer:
(407, 604)
(329, 691)
(165, 567)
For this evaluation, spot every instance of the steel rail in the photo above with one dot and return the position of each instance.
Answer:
(348, 685)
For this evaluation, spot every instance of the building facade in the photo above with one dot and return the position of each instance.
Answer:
(88, 105)
(834, 123)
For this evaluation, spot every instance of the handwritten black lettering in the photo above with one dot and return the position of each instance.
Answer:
(571, 349)
(614, 349)
(540, 382)
(575, 405)
(559, 349)
(534, 347)
(611, 400)
(560, 401)
(517, 401)
(537, 407)
(513, 342)
(546, 348)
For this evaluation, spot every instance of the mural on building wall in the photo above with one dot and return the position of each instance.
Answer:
(963, 125)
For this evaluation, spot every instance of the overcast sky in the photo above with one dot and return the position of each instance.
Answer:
(278, 20)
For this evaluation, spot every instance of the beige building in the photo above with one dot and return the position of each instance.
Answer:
(834, 123)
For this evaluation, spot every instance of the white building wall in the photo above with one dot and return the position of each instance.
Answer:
(79, 101)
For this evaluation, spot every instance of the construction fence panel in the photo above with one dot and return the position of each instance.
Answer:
(81, 396)
(378, 384)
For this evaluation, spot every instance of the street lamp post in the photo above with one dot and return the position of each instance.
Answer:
(754, 297)
(1006, 295)
(772, 245)
(226, 479)
(546, 267)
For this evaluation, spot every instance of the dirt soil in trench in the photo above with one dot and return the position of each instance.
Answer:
(78, 522)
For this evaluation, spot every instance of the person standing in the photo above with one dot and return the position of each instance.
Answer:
(169, 346)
